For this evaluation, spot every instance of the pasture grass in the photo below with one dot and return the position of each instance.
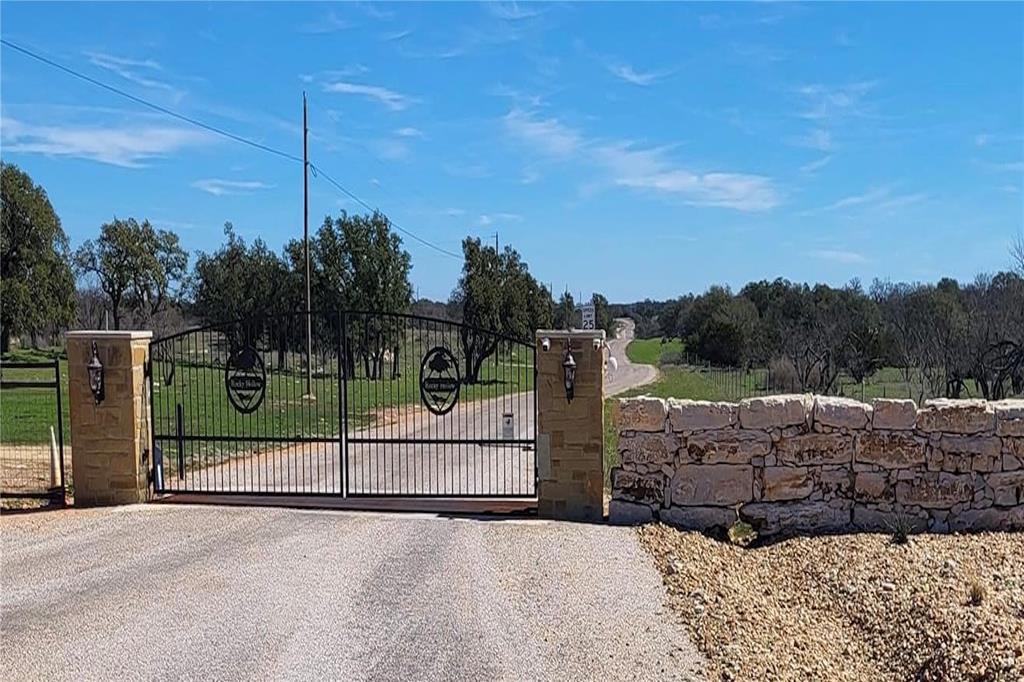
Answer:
(649, 351)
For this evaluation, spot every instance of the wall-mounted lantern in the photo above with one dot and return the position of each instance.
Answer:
(95, 368)
(569, 368)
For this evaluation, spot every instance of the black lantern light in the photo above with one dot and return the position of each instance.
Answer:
(569, 368)
(95, 368)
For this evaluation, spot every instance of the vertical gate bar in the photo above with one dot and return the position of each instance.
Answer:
(533, 436)
(343, 416)
(60, 431)
(180, 434)
(152, 424)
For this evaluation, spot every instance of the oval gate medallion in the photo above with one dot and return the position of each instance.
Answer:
(245, 379)
(439, 380)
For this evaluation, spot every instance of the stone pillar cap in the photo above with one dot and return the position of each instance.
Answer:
(109, 334)
(573, 333)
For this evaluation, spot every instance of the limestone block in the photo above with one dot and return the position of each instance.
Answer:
(769, 518)
(641, 414)
(984, 446)
(1009, 417)
(841, 412)
(866, 517)
(992, 518)
(648, 448)
(1011, 463)
(730, 447)
(698, 518)
(936, 490)
(623, 513)
(1007, 488)
(774, 411)
(956, 416)
(890, 449)
(787, 483)
(711, 484)
(700, 415)
(816, 448)
(872, 485)
(893, 414)
(1013, 446)
(633, 487)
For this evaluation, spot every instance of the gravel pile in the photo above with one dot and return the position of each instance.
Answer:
(853, 607)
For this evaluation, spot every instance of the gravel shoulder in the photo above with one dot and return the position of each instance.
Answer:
(192, 592)
(852, 607)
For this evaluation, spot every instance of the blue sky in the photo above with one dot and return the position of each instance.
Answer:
(639, 150)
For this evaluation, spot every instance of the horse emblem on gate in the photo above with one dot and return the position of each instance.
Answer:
(245, 379)
(439, 381)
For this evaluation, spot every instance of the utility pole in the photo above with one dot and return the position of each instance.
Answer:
(305, 240)
(496, 241)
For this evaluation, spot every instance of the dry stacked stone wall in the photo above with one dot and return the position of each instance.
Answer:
(802, 463)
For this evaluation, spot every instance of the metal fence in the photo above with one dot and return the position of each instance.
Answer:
(732, 383)
(380, 404)
(31, 431)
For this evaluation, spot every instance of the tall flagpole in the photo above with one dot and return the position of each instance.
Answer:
(305, 233)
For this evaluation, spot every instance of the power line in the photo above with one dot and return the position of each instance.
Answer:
(320, 172)
(151, 105)
(219, 131)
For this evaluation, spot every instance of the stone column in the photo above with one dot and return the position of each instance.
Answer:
(110, 441)
(570, 435)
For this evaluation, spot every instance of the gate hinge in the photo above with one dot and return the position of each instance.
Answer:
(147, 369)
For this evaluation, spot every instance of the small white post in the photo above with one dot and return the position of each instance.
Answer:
(54, 462)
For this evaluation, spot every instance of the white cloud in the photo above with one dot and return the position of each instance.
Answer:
(868, 197)
(330, 23)
(511, 11)
(816, 139)
(389, 98)
(409, 132)
(831, 103)
(128, 146)
(902, 200)
(876, 198)
(487, 219)
(630, 75)
(549, 135)
(839, 256)
(395, 36)
(816, 165)
(647, 169)
(138, 71)
(218, 187)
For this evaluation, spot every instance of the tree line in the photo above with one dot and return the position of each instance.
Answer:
(133, 274)
(943, 337)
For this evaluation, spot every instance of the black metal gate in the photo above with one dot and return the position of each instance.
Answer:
(381, 404)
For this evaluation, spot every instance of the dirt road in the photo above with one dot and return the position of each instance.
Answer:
(627, 375)
(200, 593)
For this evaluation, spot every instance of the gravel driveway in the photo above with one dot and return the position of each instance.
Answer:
(190, 592)
(627, 375)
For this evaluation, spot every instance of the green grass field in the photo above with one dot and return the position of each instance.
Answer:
(649, 351)
(26, 414)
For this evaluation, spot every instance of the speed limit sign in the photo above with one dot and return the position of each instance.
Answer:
(588, 316)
